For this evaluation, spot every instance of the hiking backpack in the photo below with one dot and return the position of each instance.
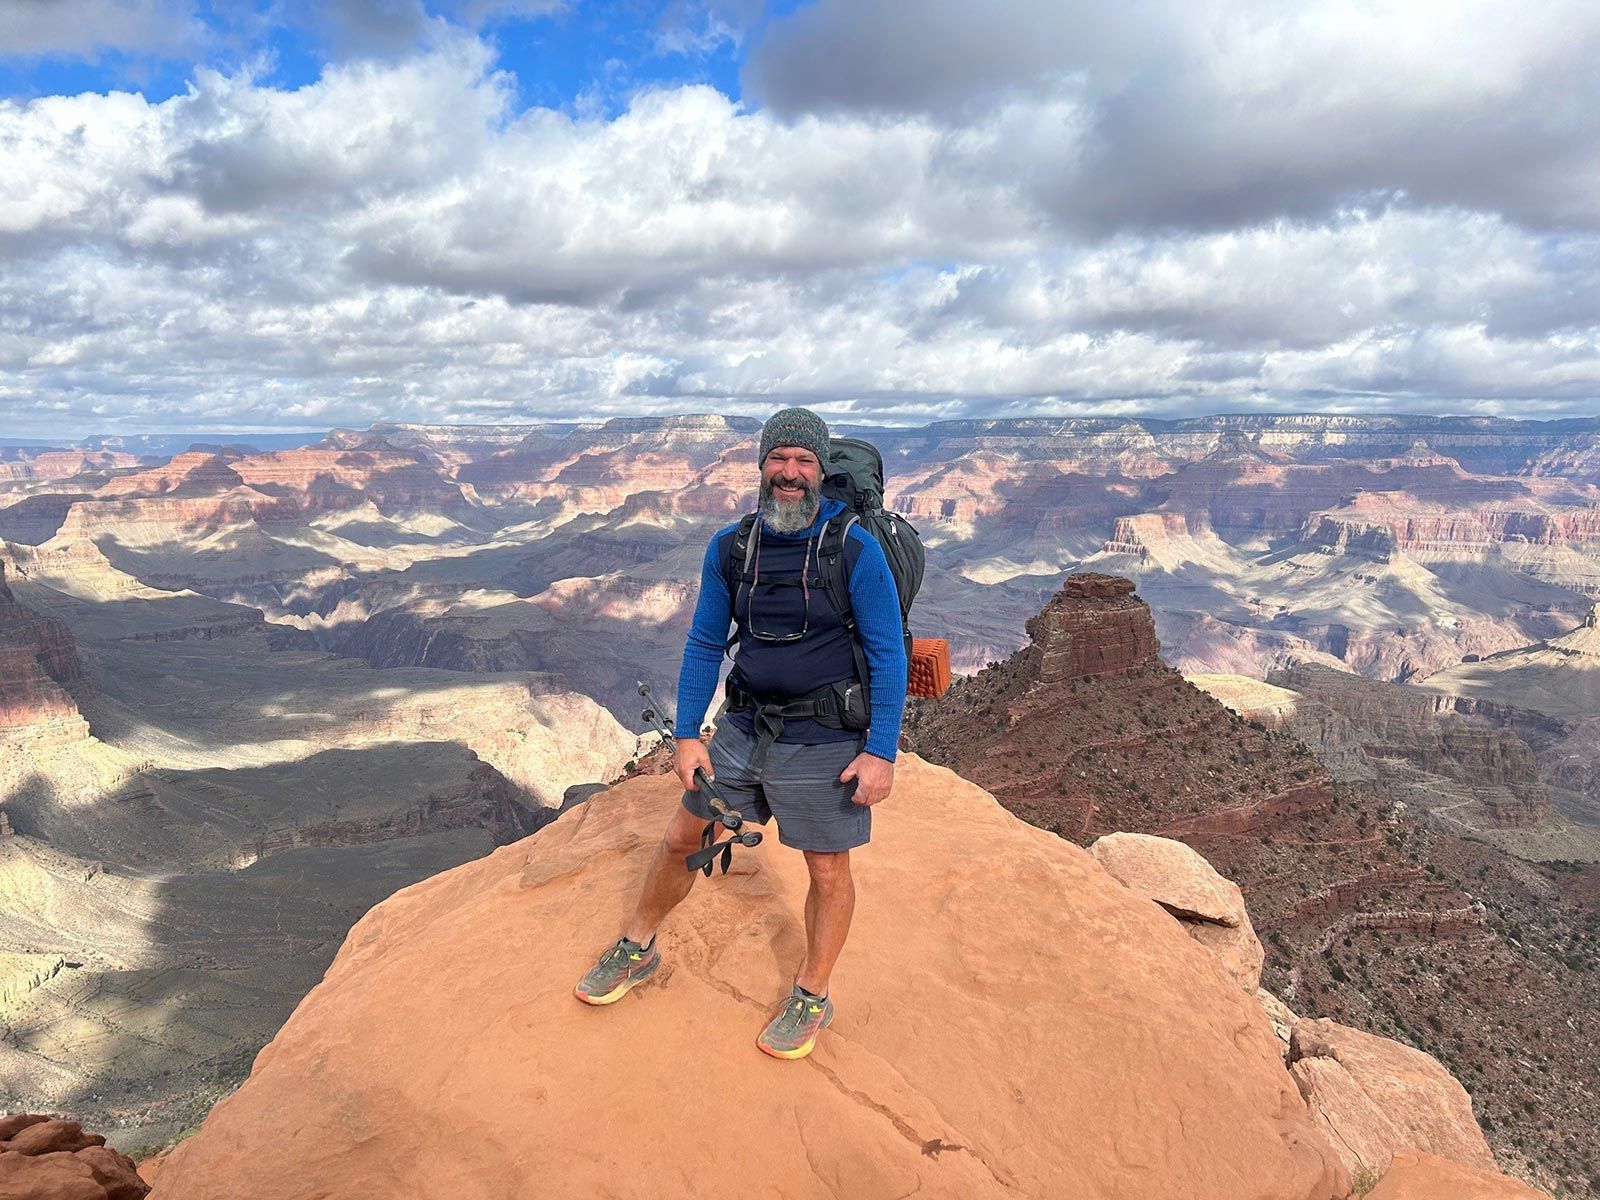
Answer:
(852, 475)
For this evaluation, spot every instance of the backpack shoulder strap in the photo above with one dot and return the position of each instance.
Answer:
(737, 552)
(836, 580)
(830, 562)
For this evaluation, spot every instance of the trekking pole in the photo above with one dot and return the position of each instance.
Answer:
(728, 818)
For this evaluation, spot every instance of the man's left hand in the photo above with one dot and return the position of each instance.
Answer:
(874, 777)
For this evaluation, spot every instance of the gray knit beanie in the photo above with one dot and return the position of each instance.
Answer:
(795, 427)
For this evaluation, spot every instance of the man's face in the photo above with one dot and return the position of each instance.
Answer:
(791, 489)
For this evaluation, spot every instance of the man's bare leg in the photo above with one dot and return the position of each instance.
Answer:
(830, 903)
(667, 881)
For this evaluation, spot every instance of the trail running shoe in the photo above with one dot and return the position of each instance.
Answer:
(620, 968)
(793, 1032)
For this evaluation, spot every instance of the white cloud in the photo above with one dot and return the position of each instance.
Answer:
(397, 242)
(31, 28)
(1209, 113)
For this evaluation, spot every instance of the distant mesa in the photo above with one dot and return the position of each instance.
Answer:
(1329, 534)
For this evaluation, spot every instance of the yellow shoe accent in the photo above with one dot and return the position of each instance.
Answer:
(611, 997)
(789, 1055)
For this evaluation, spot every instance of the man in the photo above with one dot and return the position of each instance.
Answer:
(818, 777)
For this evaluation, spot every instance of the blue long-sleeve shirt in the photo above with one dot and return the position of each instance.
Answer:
(822, 656)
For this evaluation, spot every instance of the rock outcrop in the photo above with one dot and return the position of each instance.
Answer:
(1210, 908)
(1094, 626)
(1141, 1073)
(1418, 1176)
(46, 1158)
(1374, 1097)
(1085, 731)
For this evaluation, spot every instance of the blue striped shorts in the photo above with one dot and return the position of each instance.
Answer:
(799, 785)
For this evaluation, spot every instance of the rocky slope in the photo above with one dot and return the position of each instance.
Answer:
(1549, 693)
(1086, 731)
(1372, 912)
(1476, 777)
(1146, 1071)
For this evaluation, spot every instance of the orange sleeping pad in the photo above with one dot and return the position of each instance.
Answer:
(930, 667)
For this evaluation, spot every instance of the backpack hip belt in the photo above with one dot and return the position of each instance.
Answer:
(834, 705)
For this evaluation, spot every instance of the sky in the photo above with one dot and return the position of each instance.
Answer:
(300, 214)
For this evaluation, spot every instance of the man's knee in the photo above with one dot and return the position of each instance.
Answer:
(829, 872)
(683, 832)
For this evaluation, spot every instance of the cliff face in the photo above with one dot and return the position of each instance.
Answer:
(1485, 777)
(1094, 627)
(39, 675)
(1547, 693)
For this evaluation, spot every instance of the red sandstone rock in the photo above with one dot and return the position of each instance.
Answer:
(1172, 875)
(1375, 1096)
(1208, 906)
(9, 1126)
(1418, 1176)
(47, 1137)
(1093, 626)
(150, 1168)
(1140, 1073)
(1238, 947)
(46, 1158)
(37, 659)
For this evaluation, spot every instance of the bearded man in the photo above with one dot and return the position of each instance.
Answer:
(819, 775)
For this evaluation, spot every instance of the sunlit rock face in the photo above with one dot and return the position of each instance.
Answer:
(40, 674)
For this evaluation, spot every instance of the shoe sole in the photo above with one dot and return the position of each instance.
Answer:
(618, 992)
(799, 1051)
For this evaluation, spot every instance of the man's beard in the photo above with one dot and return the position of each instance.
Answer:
(790, 516)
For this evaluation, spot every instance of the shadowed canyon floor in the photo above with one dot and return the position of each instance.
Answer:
(176, 879)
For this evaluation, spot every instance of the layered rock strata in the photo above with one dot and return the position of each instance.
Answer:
(40, 676)
(1094, 626)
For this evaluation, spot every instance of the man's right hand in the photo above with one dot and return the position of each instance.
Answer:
(691, 753)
